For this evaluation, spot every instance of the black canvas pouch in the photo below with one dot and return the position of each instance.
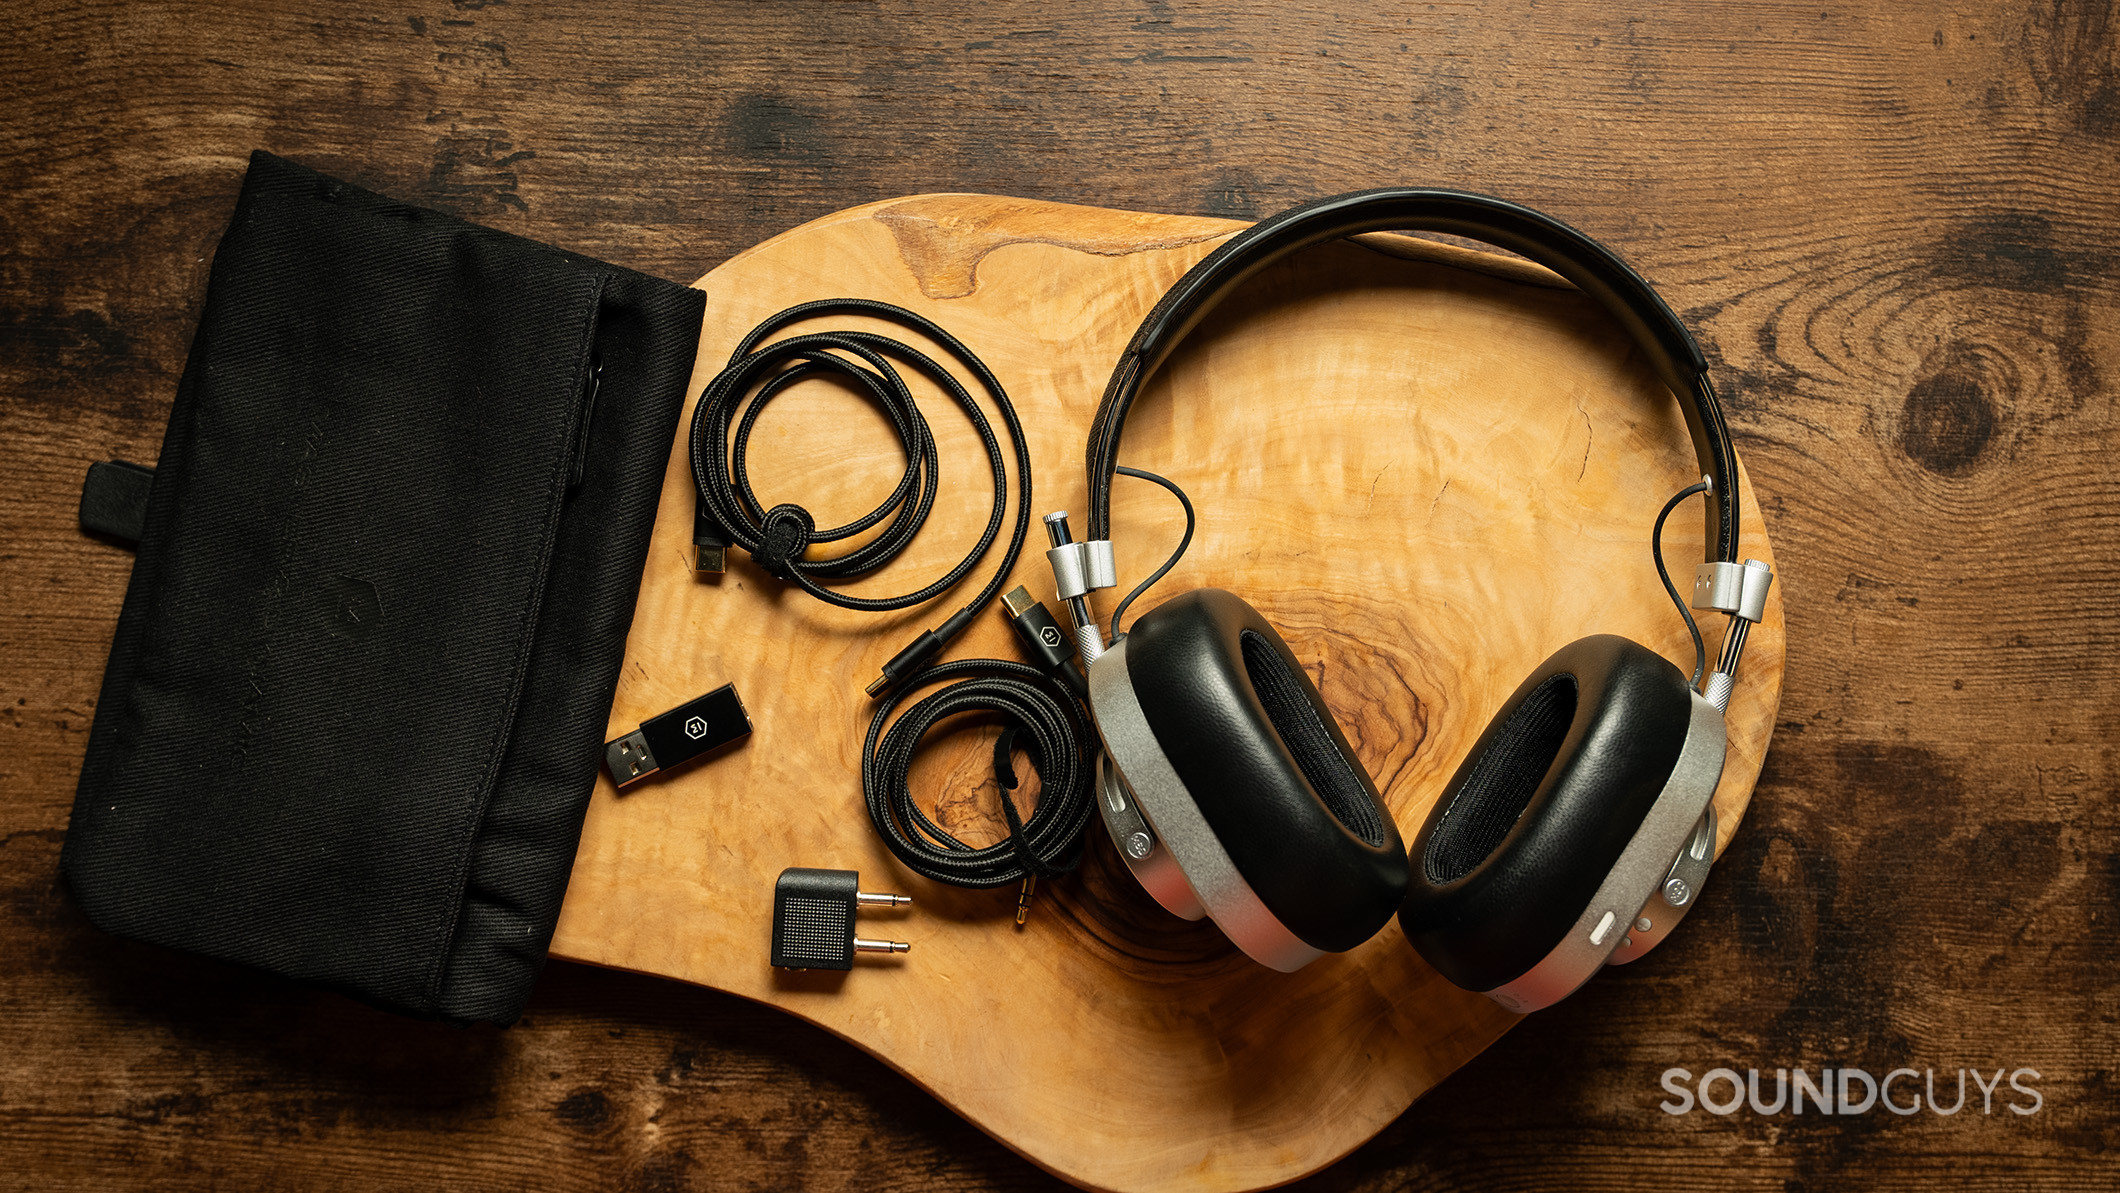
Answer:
(354, 708)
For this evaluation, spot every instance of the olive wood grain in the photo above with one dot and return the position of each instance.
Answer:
(1430, 467)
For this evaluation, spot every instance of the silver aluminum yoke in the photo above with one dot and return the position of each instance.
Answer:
(1182, 840)
(1655, 855)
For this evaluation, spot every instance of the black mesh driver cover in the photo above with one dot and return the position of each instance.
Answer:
(1508, 772)
(1308, 741)
(356, 698)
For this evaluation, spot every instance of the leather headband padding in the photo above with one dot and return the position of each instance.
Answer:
(1594, 269)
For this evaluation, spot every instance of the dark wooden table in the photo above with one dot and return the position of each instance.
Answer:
(1895, 230)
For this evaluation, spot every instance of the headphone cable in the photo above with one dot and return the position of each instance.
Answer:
(778, 538)
(1039, 706)
(1042, 714)
(1656, 551)
(1184, 541)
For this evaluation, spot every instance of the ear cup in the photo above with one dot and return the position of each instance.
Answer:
(1541, 809)
(1272, 774)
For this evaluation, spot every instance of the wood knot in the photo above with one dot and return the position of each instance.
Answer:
(586, 1109)
(1949, 415)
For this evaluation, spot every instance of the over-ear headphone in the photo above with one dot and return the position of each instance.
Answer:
(1577, 831)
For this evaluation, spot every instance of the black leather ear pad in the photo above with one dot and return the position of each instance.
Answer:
(1541, 809)
(1272, 774)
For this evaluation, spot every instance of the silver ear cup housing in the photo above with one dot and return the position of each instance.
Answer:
(1178, 829)
(1632, 890)
(1679, 892)
(1151, 863)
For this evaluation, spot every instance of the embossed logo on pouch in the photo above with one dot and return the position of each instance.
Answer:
(356, 609)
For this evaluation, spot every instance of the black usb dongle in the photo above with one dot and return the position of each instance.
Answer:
(671, 739)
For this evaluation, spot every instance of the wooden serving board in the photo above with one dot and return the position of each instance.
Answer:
(1430, 467)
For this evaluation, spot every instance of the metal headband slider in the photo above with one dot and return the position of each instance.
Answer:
(1080, 568)
(1739, 589)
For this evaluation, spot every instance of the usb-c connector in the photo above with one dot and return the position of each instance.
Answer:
(1041, 635)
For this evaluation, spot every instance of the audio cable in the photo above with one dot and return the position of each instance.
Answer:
(1043, 704)
(729, 511)
(1041, 711)
(1656, 552)
(1178, 553)
(1738, 590)
(1039, 705)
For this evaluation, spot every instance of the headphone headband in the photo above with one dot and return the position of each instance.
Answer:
(1593, 268)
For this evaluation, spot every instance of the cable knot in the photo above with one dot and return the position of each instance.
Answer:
(783, 537)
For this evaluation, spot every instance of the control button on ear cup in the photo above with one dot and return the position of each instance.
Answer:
(1542, 808)
(1268, 768)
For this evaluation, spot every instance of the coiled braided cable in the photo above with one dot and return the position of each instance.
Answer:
(1043, 715)
(779, 537)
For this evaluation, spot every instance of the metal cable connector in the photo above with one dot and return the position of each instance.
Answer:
(1073, 578)
(1751, 586)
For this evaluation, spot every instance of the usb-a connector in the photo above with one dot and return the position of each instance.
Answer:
(671, 739)
(629, 758)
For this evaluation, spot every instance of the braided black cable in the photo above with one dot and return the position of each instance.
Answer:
(777, 538)
(1042, 715)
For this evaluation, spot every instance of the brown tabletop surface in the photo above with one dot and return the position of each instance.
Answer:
(1893, 228)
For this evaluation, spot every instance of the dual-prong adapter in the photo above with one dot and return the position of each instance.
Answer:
(813, 919)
